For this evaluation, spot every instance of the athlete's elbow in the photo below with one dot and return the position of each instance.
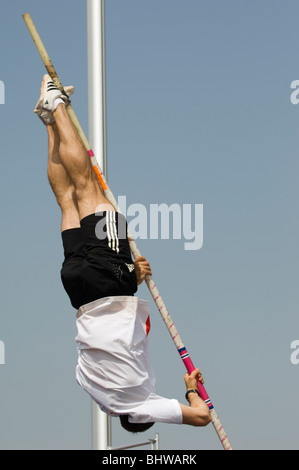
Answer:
(207, 418)
(203, 417)
(196, 415)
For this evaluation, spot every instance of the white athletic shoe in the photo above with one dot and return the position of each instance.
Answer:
(49, 93)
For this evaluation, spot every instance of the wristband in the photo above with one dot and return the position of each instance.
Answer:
(191, 391)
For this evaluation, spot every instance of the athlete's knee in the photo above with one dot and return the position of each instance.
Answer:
(83, 180)
(87, 190)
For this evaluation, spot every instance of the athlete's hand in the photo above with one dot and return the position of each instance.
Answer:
(191, 380)
(142, 269)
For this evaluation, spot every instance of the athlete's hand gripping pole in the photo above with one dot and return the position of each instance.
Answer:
(134, 249)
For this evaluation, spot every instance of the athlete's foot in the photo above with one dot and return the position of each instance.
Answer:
(47, 101)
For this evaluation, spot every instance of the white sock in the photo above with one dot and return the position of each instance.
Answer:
(57, 102)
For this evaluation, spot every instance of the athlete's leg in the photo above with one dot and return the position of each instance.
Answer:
(76, 162)
(61, 183)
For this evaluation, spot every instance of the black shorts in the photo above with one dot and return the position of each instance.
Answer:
(98, 260)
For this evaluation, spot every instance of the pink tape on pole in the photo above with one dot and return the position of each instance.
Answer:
(190, 368)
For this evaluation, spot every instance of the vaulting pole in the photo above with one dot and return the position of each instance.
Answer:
(96, 70)
(134, 249)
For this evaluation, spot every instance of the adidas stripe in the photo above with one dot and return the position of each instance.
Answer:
(112, 234)
(51, 86)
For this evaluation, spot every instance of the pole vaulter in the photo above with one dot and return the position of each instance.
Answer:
(133, 246)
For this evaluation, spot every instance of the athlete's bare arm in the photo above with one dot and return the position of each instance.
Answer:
(198, 413)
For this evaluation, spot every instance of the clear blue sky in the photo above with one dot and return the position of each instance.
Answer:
(199, 112)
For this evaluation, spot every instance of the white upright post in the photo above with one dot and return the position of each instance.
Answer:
(101, 425)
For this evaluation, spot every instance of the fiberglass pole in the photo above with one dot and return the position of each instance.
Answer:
(101, 423)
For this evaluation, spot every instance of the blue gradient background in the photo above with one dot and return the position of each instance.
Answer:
(199, 112)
